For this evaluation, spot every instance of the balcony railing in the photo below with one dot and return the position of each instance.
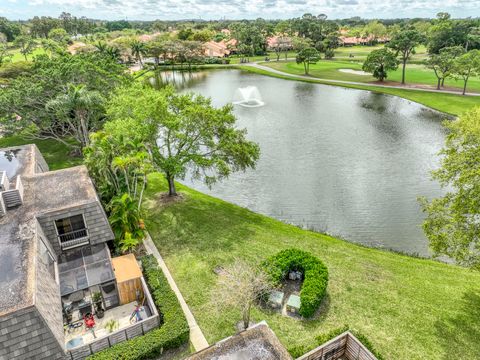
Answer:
(74, 238)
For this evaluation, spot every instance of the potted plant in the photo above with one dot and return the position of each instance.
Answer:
(111, 325)
(97, 303)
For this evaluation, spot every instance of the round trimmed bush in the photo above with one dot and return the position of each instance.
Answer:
(314, 287)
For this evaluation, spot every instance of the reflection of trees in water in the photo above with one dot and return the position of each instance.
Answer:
(434, 115)
(179, 79)
(377, 102)
(387, 124)
(10, 154)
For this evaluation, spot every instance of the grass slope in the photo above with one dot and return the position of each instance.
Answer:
(409, 308)
(16, 55)
(447, 103)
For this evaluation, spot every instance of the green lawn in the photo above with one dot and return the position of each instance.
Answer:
(235, 59)
(329, 69)
(408, 308)
(360, 52)
(17, 56)
(448, 103)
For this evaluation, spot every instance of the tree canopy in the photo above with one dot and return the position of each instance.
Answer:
(25, 104)
(404, 43)
(306, 57)
(185, 133)
(453, 221)
(380, 62)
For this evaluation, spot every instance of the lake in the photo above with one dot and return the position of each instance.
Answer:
(346, 162)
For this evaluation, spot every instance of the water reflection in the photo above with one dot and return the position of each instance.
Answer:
(179, 79)
(343, 161)
(9, 162)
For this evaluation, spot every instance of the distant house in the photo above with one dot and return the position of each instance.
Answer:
(76, 47)
(351, 40)
(148, 37)
(273, 42)
(219, 49)
(53, 259)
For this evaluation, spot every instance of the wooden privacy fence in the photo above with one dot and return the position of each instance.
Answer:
(345, 346)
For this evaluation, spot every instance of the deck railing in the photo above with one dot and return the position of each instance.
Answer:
(345, 346)
(138, 329)
(74, 238)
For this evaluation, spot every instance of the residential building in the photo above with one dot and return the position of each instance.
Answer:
(219, 49)
(53, 259)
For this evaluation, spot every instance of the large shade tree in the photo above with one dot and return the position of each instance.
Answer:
(443, 63)
(380, 62)
(306, 57)
(63, 79)
(186, 133)
(404, 43)
(466, 66)
(78, 112)
(452, 224)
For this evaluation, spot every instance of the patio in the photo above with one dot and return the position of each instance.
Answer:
(75, 337)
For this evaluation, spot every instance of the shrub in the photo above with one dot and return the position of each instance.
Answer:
(315, 273)
(329, 54)
(173, 332)
(215, 60)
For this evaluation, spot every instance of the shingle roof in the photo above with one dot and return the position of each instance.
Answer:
(256, 343)
(43, 193)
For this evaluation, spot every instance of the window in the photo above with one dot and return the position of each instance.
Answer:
(46, 257)
(71, 228)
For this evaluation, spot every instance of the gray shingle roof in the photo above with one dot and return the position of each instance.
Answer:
(43, 193)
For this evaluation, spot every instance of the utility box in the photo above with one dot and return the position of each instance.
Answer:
(128, 276)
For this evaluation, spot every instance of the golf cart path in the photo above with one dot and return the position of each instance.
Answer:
(258, 65)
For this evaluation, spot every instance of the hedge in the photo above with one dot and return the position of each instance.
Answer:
(173, 332)
(315, 273)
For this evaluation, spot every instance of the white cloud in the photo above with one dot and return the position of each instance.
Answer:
(236, 9)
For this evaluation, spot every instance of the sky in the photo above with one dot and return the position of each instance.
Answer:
(235, 9)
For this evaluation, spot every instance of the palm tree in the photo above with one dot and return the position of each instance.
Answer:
(138, 49)
(113, 52)
(79, 110)
(101, 47)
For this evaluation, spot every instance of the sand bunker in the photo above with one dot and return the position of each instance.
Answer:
(355, 72)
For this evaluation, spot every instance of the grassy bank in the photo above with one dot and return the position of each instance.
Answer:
(409, 308)
(16, 55)
(447, 103)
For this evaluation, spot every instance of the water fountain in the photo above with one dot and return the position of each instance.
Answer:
(248, 97)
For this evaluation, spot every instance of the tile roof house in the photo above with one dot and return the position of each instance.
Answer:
(53, 254)
(219, 49)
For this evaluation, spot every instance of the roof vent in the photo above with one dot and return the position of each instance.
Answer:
(10, 197)
(4, 182)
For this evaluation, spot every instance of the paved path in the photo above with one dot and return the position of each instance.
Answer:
(305, 77)
(197, 338)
